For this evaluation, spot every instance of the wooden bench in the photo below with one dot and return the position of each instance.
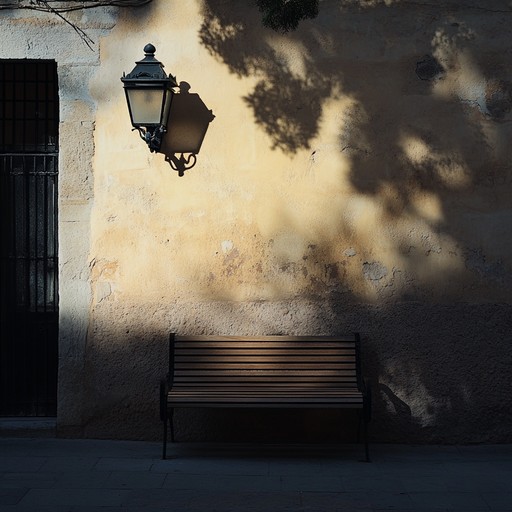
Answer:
(264, 371)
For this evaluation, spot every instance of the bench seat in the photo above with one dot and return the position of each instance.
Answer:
(264, 397)
(263, 372)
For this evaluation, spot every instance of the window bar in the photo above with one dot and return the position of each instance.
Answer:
(46, 256)
(13, 262)
(17, 262)
(34, 264)
(25, 307)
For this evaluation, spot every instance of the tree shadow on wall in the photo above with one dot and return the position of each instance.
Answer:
(346, 52)
(409, 127)
(286, 106)
(400, 84)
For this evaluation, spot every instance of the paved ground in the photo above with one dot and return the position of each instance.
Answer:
(57, 475)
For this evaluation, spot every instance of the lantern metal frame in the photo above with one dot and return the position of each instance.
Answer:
(149, 76)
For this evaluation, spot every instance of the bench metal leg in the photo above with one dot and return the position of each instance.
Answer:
(171, 423)
(366, 448)
(164, 414)
(362, 421)
(164, 449)
(169, 416)
(367, 416)
(359, 421)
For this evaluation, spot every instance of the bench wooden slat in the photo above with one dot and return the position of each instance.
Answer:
(203, 395)
(266, 345)
(278, 359)
(252, 379)
(276, 405)
(265, 382)
(246, 388)
(247, 339)
(292, 352)
(261, 401)
(265, 397)
(310, 381)
(269, 374)
(271, 394)
(262, 366)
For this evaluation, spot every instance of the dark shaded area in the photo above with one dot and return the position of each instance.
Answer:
(439, 374)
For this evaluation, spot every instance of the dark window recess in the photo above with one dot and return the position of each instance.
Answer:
(28, 229)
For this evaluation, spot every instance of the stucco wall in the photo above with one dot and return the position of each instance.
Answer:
(356, 177)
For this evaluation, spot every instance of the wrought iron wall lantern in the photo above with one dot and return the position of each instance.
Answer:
(170, 122)
(149, 93)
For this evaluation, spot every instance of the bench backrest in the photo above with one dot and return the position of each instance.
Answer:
(267, 361)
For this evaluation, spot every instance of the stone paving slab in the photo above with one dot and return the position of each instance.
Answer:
(70, 497)
(65, 475)
(81, 479)
(223, 483)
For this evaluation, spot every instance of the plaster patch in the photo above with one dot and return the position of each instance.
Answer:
(464, 79)
(227, 246)
(374, 271)
(289, 247)
(103, 290)
(429, 68)
(477, 262)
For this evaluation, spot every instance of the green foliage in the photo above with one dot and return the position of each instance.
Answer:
(285, 15)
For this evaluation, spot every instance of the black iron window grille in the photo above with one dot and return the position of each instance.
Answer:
(28, 228)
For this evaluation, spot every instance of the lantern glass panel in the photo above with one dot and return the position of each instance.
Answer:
(145, 105)
(169, 93)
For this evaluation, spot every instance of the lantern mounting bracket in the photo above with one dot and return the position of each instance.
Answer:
(152, 136)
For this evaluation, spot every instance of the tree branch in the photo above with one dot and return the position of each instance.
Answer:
(59, 7)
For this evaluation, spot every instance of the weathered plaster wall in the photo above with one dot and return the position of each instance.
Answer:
(357, 176)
